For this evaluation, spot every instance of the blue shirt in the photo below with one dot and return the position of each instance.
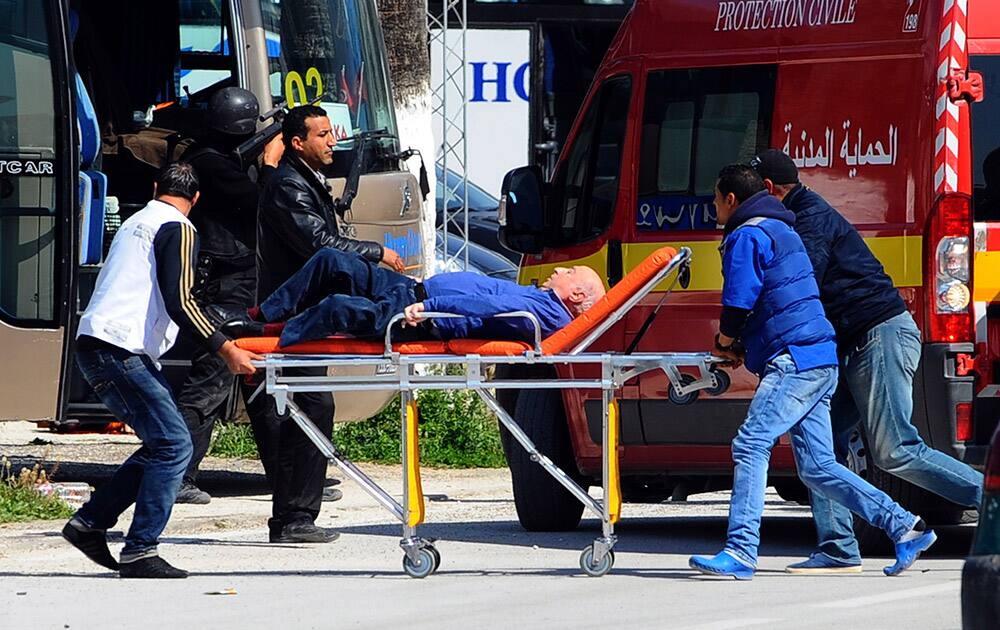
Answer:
(748, 251)
(479, 297)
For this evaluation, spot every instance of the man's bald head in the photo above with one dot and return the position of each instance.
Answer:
(579, 287)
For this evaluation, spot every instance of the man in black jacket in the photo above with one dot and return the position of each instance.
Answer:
(226, 219)
(297, 218)
(879, 346)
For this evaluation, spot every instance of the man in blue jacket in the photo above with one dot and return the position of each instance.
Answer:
(771, 305)
(343, 293)
(879, 350)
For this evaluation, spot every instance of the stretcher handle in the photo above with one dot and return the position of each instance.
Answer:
(437, 315)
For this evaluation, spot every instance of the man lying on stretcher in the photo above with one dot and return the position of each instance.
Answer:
(342, 293)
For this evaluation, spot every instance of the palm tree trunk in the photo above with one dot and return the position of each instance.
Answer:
(404, 26)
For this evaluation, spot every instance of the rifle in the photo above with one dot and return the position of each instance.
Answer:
(248, 152)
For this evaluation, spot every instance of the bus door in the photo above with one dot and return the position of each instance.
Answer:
(37, 179)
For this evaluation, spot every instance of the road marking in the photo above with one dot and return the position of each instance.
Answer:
(909, 593)
(734, 624)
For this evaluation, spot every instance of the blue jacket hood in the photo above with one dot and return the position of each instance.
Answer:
(763, 205)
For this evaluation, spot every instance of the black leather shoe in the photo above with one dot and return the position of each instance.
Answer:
(94, 545)
(153, 567)
(304, 533)
(241, 326)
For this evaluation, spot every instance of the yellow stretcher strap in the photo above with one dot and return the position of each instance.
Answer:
(614, 497)
(415, 491)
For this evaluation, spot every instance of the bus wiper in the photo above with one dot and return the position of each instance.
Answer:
(343, 203)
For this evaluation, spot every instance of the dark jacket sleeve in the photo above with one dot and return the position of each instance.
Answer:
(228, 182)
(175, 248)
(290, 211)
(818, 231)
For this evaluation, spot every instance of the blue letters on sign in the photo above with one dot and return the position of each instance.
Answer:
(672, 212)
(406, 246)
(499, 81)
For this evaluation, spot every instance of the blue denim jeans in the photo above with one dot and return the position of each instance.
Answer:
(136, 393)
(337, 292)
(876, 392)
(789, 401)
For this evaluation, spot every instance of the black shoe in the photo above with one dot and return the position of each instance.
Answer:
(190, 493)
(332, 494)
(304, 533)
(241, 326)
(331, 481)
(152, 567)
(93, 544)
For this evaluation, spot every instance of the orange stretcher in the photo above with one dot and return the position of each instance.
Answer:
(395, 364)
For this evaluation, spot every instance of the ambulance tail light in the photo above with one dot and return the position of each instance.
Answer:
(949, 270)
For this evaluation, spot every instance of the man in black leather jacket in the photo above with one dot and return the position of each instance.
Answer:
(297, 218)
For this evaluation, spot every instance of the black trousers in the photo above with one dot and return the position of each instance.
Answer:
(225, 292)
(295, 468)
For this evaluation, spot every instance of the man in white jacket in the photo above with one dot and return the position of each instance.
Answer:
(142, 298)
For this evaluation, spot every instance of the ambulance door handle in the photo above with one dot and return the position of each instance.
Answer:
(615, 265)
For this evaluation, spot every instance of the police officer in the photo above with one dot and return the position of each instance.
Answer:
(226, 219)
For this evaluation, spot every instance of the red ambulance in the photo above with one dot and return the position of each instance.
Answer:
(890, 108)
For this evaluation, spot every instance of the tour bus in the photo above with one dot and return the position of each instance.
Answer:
(96, 96)
(888, 107)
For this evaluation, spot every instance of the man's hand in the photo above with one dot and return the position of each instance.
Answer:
(391, 258)
(237, 359)
(273, 151)
(729, 352)
(412, 313)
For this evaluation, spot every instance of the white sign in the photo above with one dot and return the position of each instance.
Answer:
(497, 82)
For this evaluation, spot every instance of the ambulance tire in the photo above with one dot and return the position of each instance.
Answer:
(929, 506)
(542, 504)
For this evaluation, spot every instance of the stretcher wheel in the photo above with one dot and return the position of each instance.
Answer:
(424, 565)
(686, 399)
(600, 568)
(437, 556)
(722, 383)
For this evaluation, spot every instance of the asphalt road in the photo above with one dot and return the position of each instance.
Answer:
(493, 574)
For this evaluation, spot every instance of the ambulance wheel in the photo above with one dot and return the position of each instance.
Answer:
(596, 569)
(424, 565)
(686, 399)
(722, 383)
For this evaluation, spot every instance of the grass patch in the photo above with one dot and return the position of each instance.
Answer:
(233, 440)
(20, 501)
(456, 431)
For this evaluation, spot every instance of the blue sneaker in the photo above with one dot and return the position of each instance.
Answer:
(908, 552)
(822, 564)
(723, 563)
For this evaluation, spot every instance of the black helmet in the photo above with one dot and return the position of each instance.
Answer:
(233, 111)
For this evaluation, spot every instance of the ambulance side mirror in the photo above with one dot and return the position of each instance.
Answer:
(521, 214)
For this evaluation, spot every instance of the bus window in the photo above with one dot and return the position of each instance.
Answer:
(27, 153)
(586, 187)
(206, 58)
(330, 48)
(986, 140)
(694, 123)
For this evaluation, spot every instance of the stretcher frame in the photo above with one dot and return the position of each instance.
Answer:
(396, 371)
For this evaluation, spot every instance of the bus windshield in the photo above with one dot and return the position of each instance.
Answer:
(332, 49)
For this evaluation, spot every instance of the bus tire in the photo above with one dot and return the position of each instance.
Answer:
(543, 505)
